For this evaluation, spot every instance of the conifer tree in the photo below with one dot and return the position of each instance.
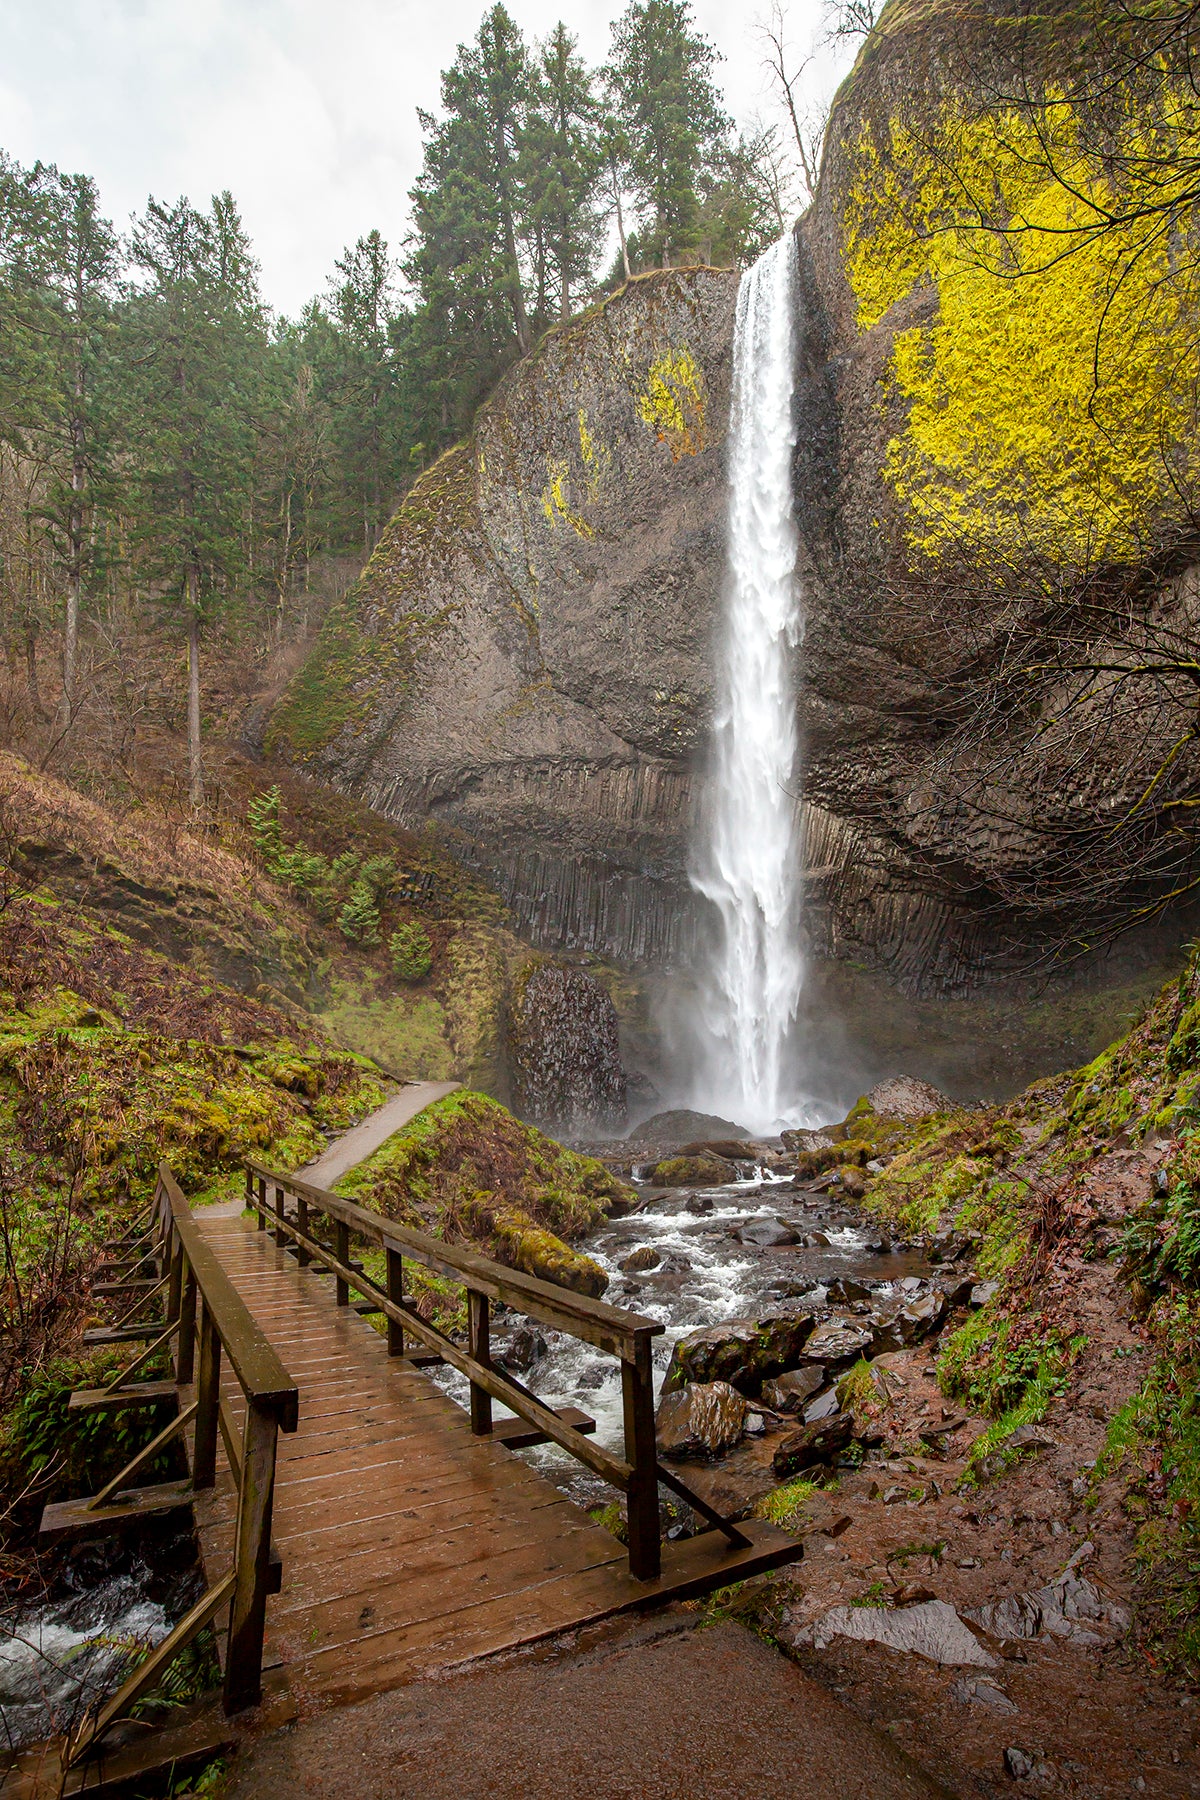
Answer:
(660, 79)
(194, 342)
(468, 204)
(564, 161)
(59, 269)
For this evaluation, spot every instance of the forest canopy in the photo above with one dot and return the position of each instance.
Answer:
(166, 442)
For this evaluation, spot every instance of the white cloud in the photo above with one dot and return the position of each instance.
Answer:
(306, 110)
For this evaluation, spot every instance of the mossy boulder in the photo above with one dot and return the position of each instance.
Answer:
(743, 1352)
(468, 1170)
(692, 1171)
(513, 1238)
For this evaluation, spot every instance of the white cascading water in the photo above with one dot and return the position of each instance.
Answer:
(748, 861)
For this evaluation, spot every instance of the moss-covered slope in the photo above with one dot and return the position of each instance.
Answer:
(468, 1171)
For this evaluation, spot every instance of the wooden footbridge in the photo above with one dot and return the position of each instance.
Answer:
(357, 1527)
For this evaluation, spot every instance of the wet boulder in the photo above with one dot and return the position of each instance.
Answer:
(692, 1171)
(744, 1352)
(525, 1347)
(838, 1341)
(638, 1260)
(766, 1234)
(818, 1442)
(846, 1289)
(853, 1182)
(791, 1393)
(702, 1419)
(907, 1097)
(896, 1327)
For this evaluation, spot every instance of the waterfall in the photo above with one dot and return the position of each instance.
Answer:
(747, 860)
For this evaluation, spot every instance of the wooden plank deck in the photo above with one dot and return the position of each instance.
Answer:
(408, 1544)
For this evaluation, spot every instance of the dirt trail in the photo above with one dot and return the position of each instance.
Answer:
(656, 1713)
(365, 1138)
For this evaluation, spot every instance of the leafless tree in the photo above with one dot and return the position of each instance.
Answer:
(786, 75)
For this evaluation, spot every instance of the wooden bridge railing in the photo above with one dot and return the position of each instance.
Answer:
(626, 1335)
(208, 1322)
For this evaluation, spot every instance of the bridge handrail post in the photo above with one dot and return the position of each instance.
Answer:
(395, 1293)
(637, 1395)
(252, 1554)
(260, 1211)
(185, 1350)
(208, 1393)
(479, 1344)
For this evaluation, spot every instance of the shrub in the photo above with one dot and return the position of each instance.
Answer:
(411, 953)
(359, 917)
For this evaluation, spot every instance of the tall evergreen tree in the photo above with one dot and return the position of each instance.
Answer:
(60, 262)
(468, 212)
(660, 78)
(194, 341)
(564, 162)
(359, 381)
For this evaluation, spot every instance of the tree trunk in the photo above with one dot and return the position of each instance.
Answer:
(195, 761)
(621, 227)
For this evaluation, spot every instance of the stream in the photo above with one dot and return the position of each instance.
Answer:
(706, 1274)
(68, 1648)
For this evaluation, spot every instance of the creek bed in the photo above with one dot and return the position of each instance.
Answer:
(107, 1600)
(706, 1275)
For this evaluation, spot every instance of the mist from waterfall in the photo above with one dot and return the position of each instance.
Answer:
(747, 859)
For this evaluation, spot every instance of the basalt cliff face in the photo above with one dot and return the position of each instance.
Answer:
(993, 438)
(527, 659)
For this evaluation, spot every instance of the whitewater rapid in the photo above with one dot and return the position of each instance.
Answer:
(747, 859)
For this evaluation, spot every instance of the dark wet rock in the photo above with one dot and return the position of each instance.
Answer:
(823, 1407)
(932, 1630)
(907, 1097)
(896, 1327)
(793, 1391)
(956, 1288)
(853, 1182)
(564, 1049)
(700, 1203)
(844, 1287)
(878, 1245)
(691, 1171)
(683, 1127)
(816, 1240)
(803, 1142)
(645, 1258)
(730, 1149)
(702, 1419)
(619, 1206)
(743, 1351)
(1018, 1763)
(767, 1234)
(812, 1444)
(523, 1349)
(838, 1341)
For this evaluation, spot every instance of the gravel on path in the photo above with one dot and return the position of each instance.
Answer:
(363, 1139)
(684, 1715)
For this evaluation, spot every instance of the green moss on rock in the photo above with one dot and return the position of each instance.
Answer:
(468, 1170)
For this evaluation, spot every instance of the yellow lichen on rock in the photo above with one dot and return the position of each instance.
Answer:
(556, 502)
(1057, 363)
(672, 403)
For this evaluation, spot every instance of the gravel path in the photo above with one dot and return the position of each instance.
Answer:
(675, 1715)
(363, 1139)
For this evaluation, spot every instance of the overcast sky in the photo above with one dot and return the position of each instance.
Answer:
(305, 109)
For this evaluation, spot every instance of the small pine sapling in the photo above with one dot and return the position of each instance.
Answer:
(411, 953)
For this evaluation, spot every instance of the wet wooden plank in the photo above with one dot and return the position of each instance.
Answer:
(408, 1543)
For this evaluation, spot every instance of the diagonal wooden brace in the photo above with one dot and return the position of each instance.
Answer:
(144, 1456)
